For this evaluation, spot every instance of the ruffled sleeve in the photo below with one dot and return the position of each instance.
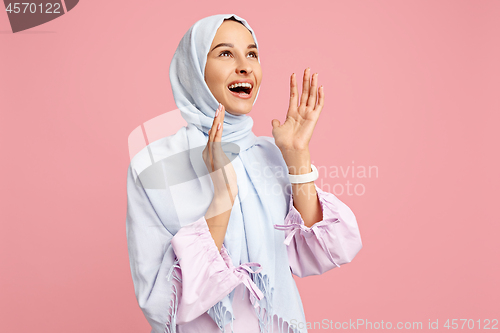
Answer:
(207, 275)
(328, 243)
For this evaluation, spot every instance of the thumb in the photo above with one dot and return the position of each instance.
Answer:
(275, 123)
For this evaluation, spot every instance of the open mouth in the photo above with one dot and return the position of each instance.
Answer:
(242, 90)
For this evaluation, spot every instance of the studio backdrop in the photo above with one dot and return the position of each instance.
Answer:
(408, 139)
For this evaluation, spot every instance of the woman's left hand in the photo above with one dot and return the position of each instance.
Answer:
(293, 136)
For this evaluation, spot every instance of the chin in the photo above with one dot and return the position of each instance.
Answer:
(238, 111)
(239, 108)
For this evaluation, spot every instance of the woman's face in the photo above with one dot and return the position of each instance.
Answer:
(233, 72)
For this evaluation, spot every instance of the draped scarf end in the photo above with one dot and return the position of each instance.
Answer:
(170, 325)
(265, 309)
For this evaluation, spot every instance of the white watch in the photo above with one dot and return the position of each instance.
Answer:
(304, 178)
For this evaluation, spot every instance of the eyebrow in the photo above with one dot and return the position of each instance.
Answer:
(250, 46)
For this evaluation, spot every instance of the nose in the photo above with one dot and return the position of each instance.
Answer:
(243, 66)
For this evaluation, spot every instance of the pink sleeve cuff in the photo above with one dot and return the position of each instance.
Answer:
(329, 243)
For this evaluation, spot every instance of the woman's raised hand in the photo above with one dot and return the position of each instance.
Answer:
(220, 167)
(296, 132)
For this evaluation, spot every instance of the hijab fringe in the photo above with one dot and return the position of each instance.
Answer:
(265, 311)
(262, 282)
(219, 312)
(171, 325)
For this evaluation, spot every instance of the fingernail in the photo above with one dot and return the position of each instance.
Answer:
(216, 113)
(218, 126)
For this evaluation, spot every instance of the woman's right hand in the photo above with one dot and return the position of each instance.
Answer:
(218, 164)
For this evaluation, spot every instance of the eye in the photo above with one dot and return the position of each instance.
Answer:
(253, 54)
(225, 54)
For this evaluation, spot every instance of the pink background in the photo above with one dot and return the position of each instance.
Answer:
(412, 88)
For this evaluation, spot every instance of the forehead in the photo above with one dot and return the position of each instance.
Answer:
(233, 32)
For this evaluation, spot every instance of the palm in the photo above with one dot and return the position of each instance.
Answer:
(296, 132)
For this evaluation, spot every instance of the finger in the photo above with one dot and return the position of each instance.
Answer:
(211, 136)
(213, 130)
(321, 100)
(294, 94)
(210, 147)
(211, 156)
(220, 125)
(219, 152)
(311, 101)
(217, 149)
(305, 87)
(294, 97)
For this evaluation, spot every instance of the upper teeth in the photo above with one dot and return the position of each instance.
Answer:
(247, 85)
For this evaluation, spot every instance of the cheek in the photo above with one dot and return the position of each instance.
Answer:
(258, 73)
(214, 77)
(209, 78)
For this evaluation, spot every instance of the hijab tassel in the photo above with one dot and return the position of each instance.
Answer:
(218, 312)
(170, 325)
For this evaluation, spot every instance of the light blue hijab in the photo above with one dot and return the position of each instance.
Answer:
(263, 185)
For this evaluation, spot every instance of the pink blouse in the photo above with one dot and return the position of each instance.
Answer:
(204, 276)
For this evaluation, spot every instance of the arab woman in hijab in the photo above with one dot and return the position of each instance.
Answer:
(218, 219)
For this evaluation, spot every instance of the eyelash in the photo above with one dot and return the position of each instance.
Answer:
(225, 52)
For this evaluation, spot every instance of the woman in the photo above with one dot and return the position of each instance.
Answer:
(217, 226)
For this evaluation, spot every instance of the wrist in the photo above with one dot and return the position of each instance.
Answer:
(298, 163)
(225, 192)
(221, 203)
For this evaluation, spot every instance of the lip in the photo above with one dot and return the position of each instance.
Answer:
(242, 96)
